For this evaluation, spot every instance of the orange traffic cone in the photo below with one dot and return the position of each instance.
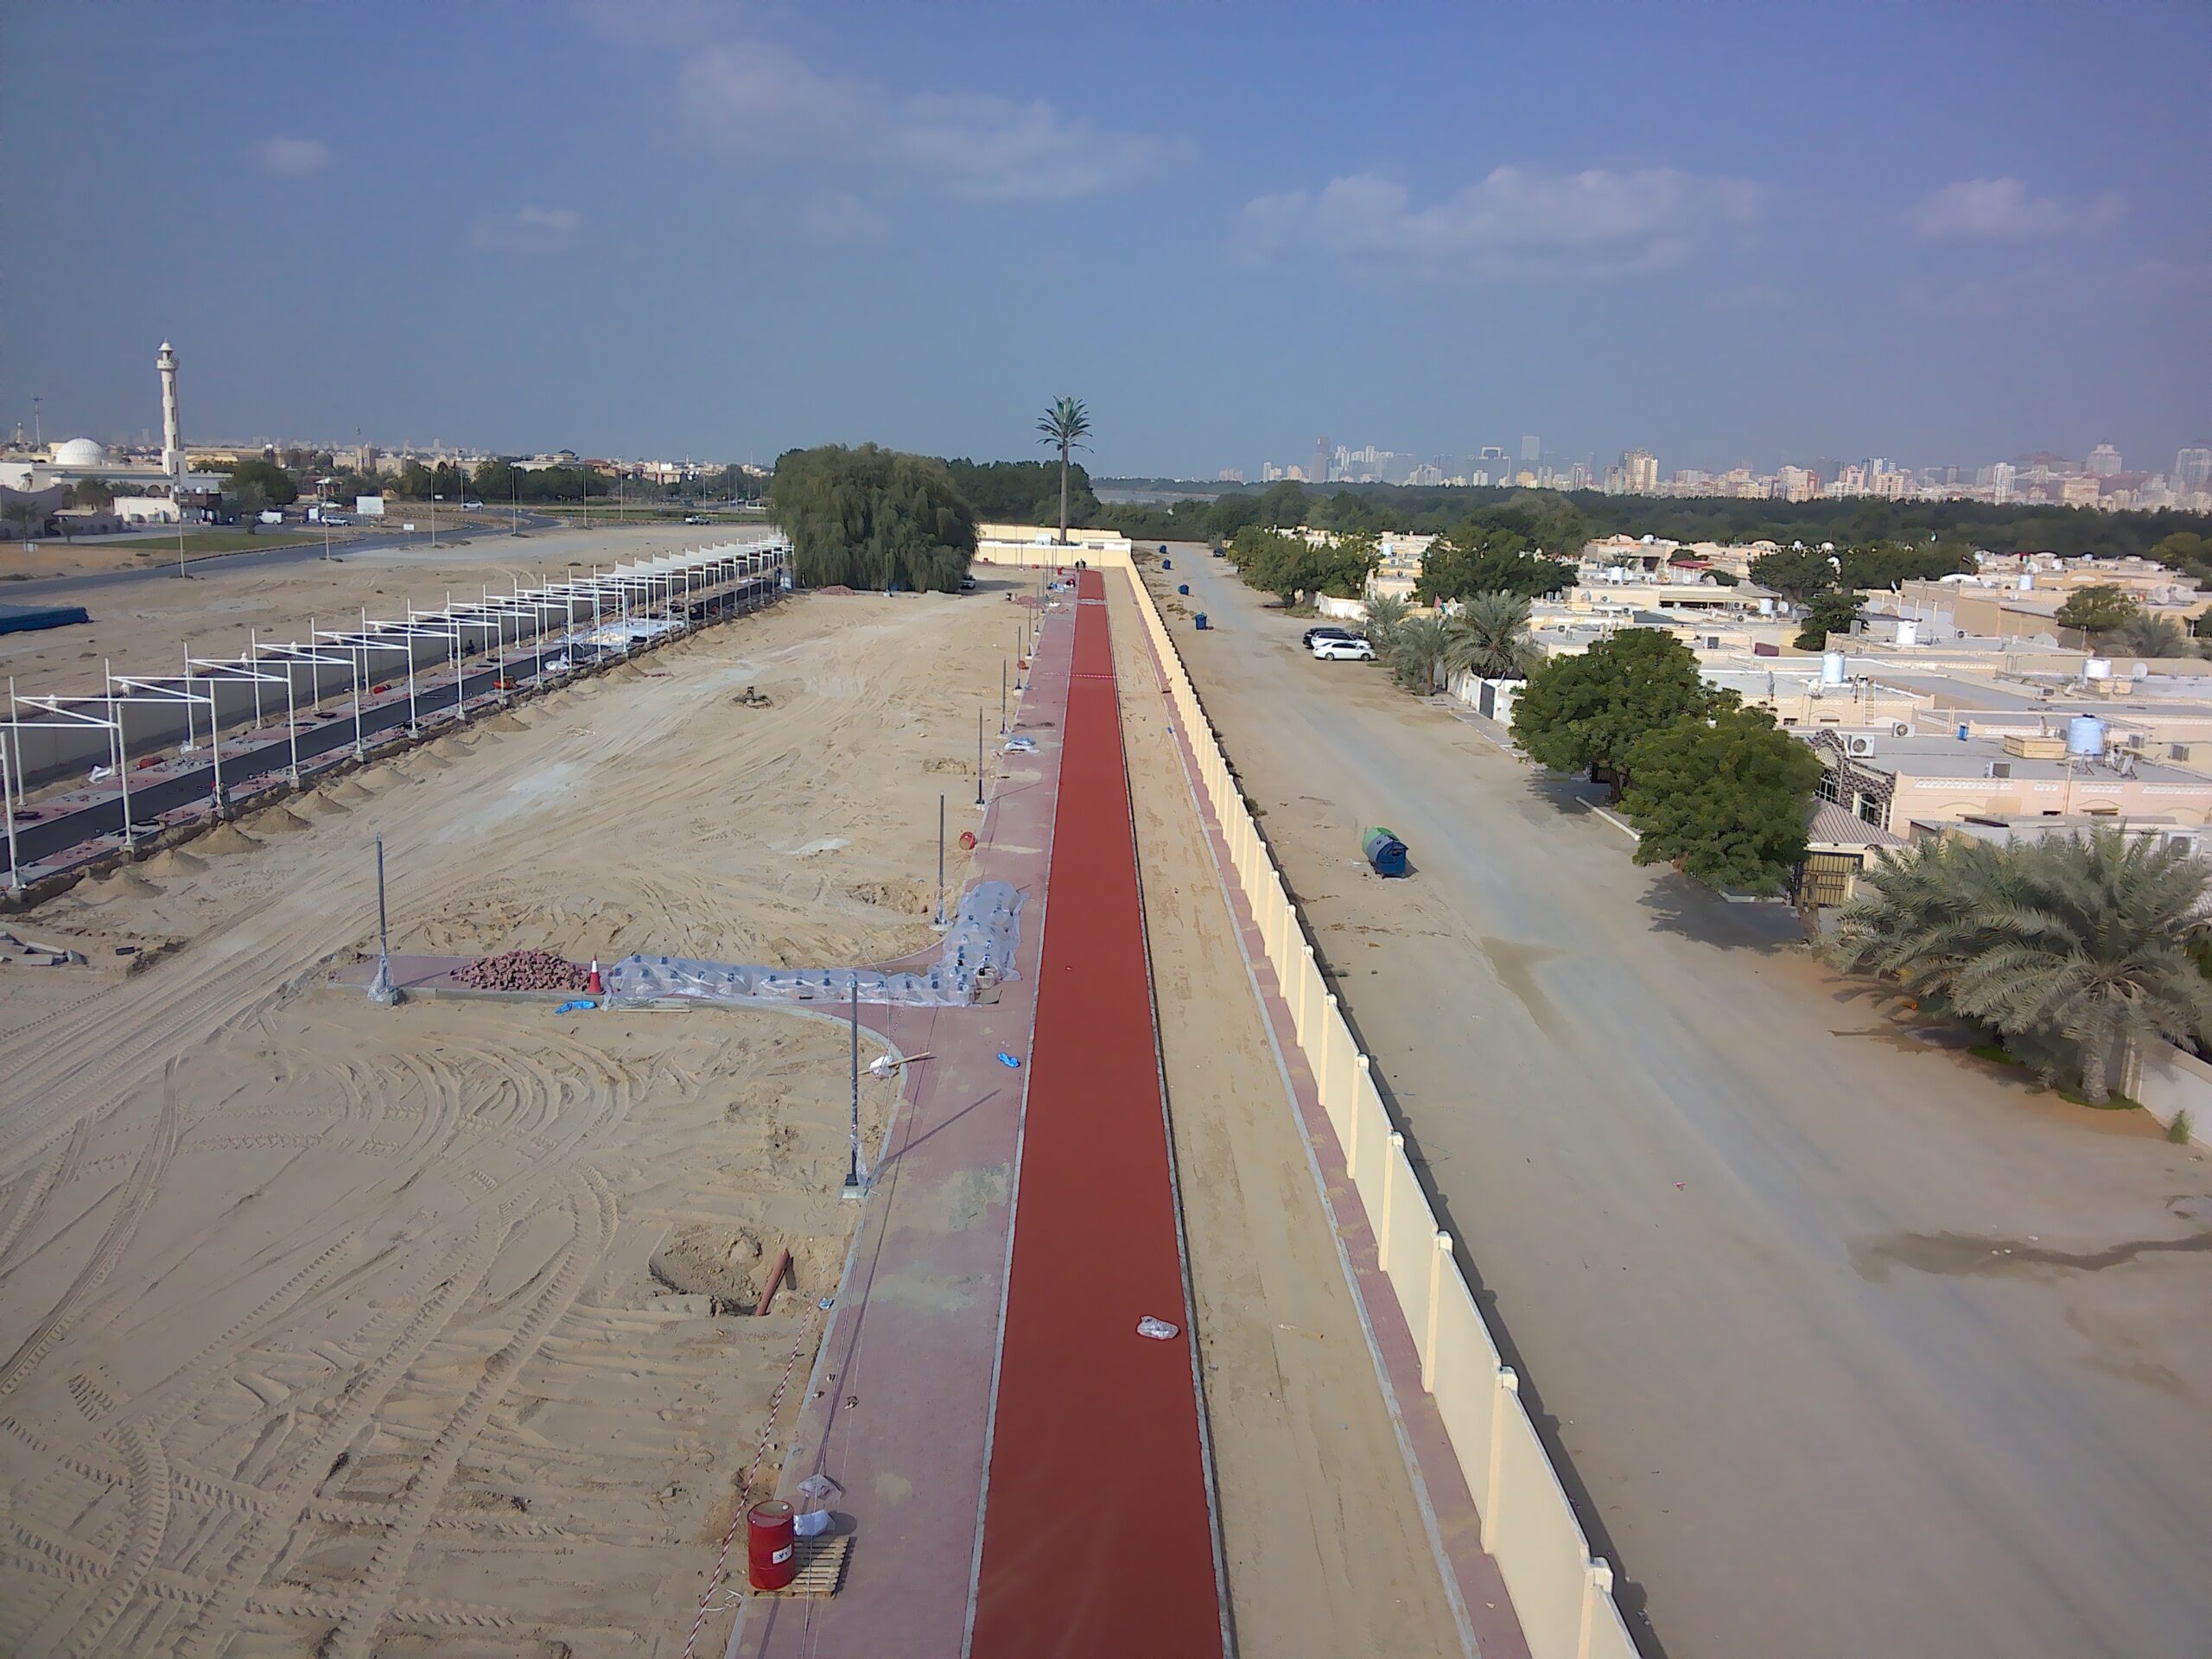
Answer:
(593, 984)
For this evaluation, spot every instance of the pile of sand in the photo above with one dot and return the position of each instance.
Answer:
(227, 838)
(279, 820)
(175, 861)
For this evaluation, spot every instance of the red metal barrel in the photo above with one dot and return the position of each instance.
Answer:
(771, 1545)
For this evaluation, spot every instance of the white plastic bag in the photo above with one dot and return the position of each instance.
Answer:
(1159, 1330)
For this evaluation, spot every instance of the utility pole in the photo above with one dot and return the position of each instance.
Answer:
(940, 857)
(979, 757)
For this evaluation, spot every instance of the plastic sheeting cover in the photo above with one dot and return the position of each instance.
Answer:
(984, 933)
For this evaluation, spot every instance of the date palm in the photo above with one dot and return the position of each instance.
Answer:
(2089, 941)
(1064, 423)
(1419, 648)
(1386, 614)
(1488, 637)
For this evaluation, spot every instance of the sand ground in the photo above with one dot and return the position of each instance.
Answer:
(1325, 1549)
(1849, 1344)
(326, 1329)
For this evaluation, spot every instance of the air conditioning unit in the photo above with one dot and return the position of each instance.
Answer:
(1858, 744)
(2177, 751)
(2000, 768)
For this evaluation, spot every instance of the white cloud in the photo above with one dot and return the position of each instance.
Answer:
(2002, 210)
(291, 158)
(839, 219)
(766, 103)
(528, 230)
(1512, 222)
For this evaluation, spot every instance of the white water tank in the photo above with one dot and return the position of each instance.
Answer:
(2097, 668)
(1766, 608)
(2027, 582)
(1832, 668)
(2085, 734)
(1908, 632)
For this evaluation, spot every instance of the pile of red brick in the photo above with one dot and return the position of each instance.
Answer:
(523, 970)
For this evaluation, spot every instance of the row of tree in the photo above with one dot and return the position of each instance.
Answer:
(1856, 523)
(1714, 788)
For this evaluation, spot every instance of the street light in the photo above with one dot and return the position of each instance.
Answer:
(434, 520)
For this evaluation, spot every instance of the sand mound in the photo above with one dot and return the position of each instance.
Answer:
(424, 760)
(279, 820)
(126, 879)
(348, 793)
(320, 805)
(174, 861)
(227, 838)
(724, 1262)
(503, 723)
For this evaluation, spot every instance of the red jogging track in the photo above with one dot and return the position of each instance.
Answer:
(1097, 1535)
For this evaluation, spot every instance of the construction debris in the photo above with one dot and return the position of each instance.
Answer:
(523, 970)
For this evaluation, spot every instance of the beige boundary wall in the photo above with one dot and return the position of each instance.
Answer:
(1033, 545)
(1563, 1598)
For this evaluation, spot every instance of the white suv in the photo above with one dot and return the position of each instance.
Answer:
(1343, 650)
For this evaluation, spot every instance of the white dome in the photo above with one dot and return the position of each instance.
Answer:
(79, 452)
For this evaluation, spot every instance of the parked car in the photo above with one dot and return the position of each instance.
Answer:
(1312, 634)
(472, 506)
(1343, 651)
(694, 518)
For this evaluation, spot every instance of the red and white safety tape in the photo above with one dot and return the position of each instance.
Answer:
(752, 1473)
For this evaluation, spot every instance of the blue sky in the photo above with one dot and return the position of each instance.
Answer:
(1732, 234)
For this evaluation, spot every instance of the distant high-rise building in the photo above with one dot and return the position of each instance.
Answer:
(1492, 451)
(1322, 449)
(1640, 471)
(1229, 475)
(1532, 448)
(2193, 471)
(2104, 460)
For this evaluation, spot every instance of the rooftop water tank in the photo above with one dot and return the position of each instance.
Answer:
(2085, 734)
(2097, 668)
(1832, 668)
(1908, 632)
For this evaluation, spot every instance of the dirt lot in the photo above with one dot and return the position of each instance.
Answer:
(326, 1329)
(1850, 1344)
(144, 626)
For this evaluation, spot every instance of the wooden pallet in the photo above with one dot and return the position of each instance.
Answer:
(821, 1567)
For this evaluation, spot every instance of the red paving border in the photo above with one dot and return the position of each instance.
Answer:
(1099, 1537)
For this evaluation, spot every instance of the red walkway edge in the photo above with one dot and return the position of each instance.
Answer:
(1098, 1540)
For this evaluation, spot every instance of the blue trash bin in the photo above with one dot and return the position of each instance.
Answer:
(1199, 621)
(1182, 588)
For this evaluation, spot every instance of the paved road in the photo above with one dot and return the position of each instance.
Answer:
(1853, 1346)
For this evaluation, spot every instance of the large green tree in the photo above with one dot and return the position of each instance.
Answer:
(1482, 558)
(277, 488)
(1587, 713)
(1420, 654)
(872, 518)
(2080, 948)
(1022, 492)
(1833, 611)
(2098, 610)
(1723, 799)
(1064, 423)
(1293, 568)
(1795, 573)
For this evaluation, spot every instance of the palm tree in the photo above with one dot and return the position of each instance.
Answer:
(1418, 650)
(1489, 639)
(1064, 425)
(2087, 941)
(1386, 614)
(2154, 636)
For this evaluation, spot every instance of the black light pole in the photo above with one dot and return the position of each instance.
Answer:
(940, 860)
(854, 1175)
(1003, 697)
(979, 757)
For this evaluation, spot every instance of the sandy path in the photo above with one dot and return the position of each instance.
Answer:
(1851, 1345)
(366, 1332)
(1326, 1552)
